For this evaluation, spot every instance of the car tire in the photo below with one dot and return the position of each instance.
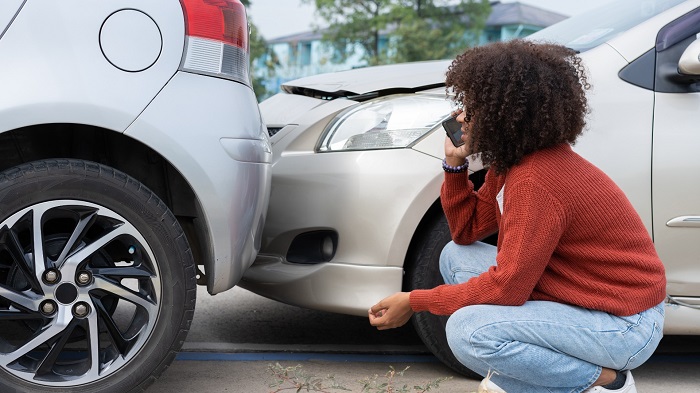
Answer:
(424, 273)
(112, 302)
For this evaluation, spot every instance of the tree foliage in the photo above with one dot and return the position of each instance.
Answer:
(390, 31)
(260, 49)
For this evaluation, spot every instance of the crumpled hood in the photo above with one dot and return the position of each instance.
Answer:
(404, 77)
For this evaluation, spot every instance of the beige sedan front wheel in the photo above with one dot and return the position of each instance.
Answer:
(423, 272)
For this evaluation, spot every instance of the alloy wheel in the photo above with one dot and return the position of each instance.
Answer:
(79, 293)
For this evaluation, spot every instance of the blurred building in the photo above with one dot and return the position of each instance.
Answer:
(305, 54)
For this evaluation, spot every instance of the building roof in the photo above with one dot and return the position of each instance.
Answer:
(521, 14)
(303, 37)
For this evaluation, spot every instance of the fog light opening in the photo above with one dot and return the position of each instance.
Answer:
(313, 247)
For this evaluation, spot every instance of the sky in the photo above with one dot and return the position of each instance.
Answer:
(277, 18)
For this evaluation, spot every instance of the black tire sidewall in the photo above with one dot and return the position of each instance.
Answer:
(49, 180)
(424, 273)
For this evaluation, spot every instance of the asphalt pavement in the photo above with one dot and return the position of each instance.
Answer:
(240, 342)
(193, 372)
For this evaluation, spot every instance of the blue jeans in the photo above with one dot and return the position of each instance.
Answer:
(541, 346)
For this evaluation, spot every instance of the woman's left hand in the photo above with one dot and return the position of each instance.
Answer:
(392, 312)
(457, 156)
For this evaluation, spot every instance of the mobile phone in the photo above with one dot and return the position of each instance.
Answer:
(454, 131)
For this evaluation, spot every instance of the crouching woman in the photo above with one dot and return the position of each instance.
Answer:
(571, 298)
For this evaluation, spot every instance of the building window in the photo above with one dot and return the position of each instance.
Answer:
(305, 53)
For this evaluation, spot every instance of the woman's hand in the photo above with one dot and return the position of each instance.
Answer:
(456, 156)
(392, 312)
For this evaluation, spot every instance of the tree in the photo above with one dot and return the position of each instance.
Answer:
(437, 31)
(402, 30)
(355, 22)
(260, 49)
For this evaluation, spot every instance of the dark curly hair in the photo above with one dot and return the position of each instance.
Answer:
(523, 96)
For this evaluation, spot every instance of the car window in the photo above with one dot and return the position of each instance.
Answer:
(590, 29)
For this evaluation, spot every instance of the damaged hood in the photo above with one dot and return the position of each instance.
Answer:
(393, 78)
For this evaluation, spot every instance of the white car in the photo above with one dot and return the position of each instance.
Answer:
(134, 164)
(354, 211)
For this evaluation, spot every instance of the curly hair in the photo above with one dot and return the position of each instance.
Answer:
(523, 96)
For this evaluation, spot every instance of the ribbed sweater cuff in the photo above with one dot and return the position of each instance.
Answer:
(420, 299)
(456, 182)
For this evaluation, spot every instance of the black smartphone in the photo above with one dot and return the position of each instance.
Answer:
(454, 131)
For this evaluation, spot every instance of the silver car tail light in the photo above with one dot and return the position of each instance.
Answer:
(217, 39)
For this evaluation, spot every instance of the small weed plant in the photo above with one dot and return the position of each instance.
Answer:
(295, 379)
(388, 384)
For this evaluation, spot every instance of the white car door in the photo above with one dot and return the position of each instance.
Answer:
(8, 10)
(676, 156)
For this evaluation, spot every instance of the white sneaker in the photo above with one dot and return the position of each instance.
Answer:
(628, 388)
(486, 386)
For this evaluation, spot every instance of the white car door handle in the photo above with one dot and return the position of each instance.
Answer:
(684, 221)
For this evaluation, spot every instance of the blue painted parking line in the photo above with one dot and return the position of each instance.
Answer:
(284, 356)
(362, 358)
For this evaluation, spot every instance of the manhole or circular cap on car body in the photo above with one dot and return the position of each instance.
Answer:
(131, 40)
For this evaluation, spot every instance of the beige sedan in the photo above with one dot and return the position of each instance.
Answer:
(354, 212)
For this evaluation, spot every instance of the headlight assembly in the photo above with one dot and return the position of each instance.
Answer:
(385, 123)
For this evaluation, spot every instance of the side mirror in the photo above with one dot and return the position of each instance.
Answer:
(689, 63)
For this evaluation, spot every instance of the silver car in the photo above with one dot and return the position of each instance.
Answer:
(134, 164)
(355, 213)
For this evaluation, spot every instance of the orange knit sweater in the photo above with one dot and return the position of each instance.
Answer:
(567, 234)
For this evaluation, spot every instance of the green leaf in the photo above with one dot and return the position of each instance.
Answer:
(391, 31)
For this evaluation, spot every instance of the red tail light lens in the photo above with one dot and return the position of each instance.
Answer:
(217, 38)
(220, 20)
